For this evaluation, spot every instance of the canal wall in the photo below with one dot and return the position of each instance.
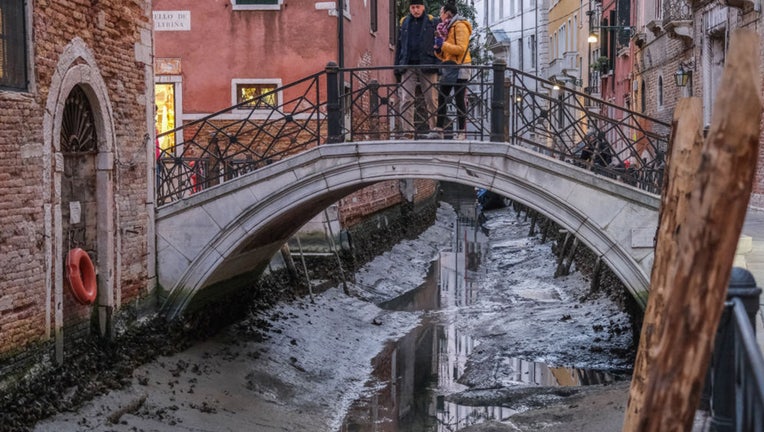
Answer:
(575, 255)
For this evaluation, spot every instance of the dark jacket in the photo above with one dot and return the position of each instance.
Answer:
(426, 50)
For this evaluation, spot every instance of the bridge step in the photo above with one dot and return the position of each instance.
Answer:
(744, 245)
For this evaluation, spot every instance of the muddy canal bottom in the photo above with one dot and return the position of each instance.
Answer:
(416, 385)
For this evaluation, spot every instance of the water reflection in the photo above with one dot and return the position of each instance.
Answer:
(414, 374)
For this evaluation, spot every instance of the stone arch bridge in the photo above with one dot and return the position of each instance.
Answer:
(224, 233)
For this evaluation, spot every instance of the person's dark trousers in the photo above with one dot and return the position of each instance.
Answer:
(459, 90)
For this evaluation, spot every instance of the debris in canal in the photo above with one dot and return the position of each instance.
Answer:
(300, 365)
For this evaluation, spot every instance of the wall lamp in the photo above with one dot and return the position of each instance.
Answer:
(594, 38)
(682, 75)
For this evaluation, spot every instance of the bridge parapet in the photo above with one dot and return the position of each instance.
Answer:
(503, 105)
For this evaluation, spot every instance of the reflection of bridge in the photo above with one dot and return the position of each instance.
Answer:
(232, 191)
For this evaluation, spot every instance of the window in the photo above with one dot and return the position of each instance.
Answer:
(660, 92)
(165, 103)
(256, 93)
(13, 51)
(256, 4)
(373, 15)
(266, 98)
(393, 21)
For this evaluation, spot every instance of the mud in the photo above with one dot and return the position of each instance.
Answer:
(96, 367)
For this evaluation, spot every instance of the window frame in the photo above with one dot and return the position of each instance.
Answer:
(236, 82)
(273, 5)
(373, 16)
(659, 93)
(177, 83)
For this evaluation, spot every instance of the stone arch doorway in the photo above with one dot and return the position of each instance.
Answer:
(81, 212)
(79, 199)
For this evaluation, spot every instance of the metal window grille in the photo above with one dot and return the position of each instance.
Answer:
(78, 133)
(256, 95)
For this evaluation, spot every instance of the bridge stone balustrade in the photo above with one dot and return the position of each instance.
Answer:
(219, 240)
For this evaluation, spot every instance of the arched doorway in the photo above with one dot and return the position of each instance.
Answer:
(81, 211)
(79, 200)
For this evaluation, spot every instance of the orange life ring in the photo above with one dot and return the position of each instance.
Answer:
(80, 273)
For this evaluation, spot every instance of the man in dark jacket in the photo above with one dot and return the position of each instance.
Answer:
(415, 47)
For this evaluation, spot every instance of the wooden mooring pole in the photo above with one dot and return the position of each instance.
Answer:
(703, 207)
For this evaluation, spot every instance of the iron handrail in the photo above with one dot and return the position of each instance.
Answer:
(749, 372)
(734, 390)
(364, 103)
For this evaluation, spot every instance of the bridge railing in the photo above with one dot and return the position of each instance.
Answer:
(573, 126)
(241, 138)
(735, 383)
(362, 104)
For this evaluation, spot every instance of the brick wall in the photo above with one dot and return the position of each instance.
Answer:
(118, 35)
(380, 196)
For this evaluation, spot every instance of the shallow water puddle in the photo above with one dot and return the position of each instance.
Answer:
(415, 375)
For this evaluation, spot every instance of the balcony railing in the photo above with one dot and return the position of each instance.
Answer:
(677, 18)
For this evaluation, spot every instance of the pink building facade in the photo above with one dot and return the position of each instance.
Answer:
(212, 55)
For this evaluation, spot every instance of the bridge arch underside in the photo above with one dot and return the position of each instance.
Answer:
(226, 235)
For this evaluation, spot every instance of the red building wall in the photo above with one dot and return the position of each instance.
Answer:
(291, 43)
(288, 44)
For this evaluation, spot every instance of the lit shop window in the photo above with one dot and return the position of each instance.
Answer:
(164, 97)
(259, 95)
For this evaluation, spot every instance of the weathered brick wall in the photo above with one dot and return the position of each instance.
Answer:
(112, 30)
(749, 19)
(380, 196)
(22, 281)
(757, 195)
(662, 58)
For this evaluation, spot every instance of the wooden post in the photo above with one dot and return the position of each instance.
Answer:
(679, 179)
(700, 223)
(595, 285)
(286, 255)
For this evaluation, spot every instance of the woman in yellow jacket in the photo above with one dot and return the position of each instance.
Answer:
(452, 42)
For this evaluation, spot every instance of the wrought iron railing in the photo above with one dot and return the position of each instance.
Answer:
(676, 10)
(623, 144)
(502, 105)
(241, 139)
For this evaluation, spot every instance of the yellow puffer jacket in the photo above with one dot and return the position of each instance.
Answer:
(457, 42)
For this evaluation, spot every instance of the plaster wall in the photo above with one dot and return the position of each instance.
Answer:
(290, 43)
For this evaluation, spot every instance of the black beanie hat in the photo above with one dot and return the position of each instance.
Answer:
(416, 2)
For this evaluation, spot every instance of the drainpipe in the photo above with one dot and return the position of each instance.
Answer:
(522, 39)
(341, 33)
